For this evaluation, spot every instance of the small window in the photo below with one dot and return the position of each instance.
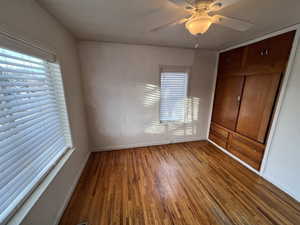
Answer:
(34, 127)
(173, 93)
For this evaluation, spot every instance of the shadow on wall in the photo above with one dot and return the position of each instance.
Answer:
(189, 128)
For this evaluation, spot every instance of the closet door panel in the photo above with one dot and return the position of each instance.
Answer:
(268, 56)
(256, 61)
(227, 101)
(230, 62)
(257, 104)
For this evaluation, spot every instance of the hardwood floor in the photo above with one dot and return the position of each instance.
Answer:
(177, 184)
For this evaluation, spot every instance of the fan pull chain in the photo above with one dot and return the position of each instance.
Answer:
(197, 45)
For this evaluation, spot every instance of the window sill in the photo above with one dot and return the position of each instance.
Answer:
(172, 122)
(19, 216)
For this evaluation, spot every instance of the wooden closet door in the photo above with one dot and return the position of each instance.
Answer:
(268, 56)
(227, 100)
(230, 62)
(257, 104)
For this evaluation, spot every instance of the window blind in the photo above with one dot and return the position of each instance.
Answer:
(173, 92)
(34, 128)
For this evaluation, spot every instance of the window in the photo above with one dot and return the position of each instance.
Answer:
(34, 128)
(173, 93)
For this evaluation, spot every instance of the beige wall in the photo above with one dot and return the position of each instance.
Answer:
(122, 93)
(28, 19)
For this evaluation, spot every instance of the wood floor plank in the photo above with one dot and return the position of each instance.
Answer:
(178, 184)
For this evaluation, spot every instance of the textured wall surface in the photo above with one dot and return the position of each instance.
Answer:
(122, 93)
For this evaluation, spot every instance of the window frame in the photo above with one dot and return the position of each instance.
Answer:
(174, 69)
(39, 186)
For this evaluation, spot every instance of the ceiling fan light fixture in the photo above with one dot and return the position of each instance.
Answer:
(198, 25)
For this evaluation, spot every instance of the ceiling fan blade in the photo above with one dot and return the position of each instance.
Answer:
(166, 16)
(221, 4)
(231, 23)
(172, 23)
(182, 3)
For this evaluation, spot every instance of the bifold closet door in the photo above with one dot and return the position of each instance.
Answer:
(227, 100)
(257, 104)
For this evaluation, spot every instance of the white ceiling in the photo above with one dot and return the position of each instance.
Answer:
(127, 21)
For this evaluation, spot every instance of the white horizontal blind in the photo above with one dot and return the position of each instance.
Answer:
(34, 128)
(173, 93)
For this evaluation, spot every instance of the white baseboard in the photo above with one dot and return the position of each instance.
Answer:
(145, 144)
(236, 158)
(281, 187)
(71, 191)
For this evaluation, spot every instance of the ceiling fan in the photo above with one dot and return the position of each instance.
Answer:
(200, 20)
